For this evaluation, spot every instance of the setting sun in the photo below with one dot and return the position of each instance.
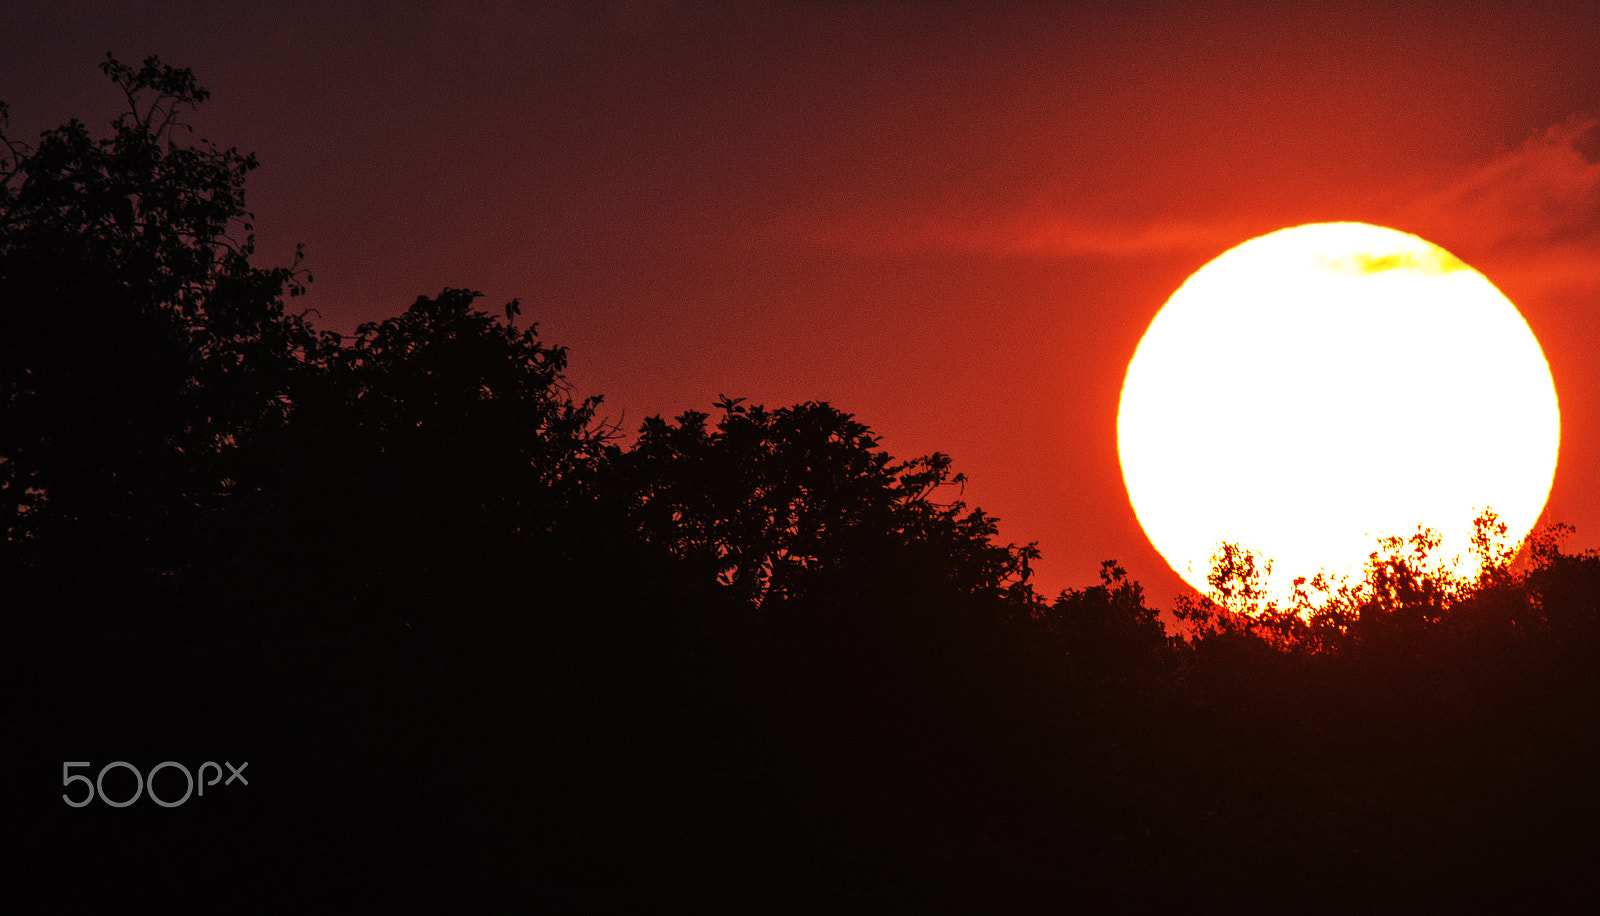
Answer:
(1320, 387)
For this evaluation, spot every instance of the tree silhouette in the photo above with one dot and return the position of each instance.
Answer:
(440, 442)
(770, 503)
(1108, 626)
(1408, 588)
(485, 656)
(140, 352)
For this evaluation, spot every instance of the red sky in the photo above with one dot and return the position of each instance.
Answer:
(952, 219)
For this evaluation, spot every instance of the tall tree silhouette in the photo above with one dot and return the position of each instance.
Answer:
(140, 351)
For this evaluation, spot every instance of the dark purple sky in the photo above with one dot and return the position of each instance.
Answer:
(952, 219)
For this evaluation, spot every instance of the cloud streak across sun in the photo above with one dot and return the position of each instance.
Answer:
(1431, 261)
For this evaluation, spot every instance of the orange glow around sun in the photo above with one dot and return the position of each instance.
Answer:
(1320, 387)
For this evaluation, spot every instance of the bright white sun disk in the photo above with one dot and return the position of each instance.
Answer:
(1320, 387)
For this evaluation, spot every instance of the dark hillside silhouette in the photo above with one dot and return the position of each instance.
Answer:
(480, 655)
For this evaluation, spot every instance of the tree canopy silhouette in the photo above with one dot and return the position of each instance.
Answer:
(770, 503)
(140, 351)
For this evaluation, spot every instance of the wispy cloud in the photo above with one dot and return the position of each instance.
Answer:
(1529, 215)
(1532, 212)
(1543, 191)
(1066, 237)
(1033, 235)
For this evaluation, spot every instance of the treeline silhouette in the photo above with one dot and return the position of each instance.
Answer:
(482, 652)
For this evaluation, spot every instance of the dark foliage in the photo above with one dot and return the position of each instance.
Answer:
(480, 654)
